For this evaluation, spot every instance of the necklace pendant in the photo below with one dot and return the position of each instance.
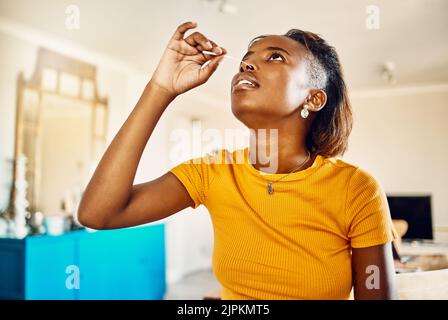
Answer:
(270, 188)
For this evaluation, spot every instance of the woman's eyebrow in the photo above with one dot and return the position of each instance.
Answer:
(268, 48)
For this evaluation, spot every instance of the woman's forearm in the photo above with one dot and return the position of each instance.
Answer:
(110, 187)
(182, 67)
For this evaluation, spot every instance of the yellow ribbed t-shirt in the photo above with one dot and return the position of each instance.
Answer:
(295, 243)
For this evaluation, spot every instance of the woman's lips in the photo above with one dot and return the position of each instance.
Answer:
(244, 82)
(244, 86)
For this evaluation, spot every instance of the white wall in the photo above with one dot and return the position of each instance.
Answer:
(15, 56)
(401, 136)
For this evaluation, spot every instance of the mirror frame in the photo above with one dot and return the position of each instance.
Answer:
(47, 59)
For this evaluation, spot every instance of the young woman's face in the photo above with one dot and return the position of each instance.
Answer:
(279, 80)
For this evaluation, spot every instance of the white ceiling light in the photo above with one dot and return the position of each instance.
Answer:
(388, 72)
(222, 6)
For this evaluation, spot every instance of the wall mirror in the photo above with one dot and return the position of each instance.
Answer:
(61, 126)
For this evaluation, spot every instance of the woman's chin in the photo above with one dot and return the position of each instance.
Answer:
(241, 108)
(243, 102)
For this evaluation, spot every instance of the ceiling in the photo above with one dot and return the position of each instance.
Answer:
(412, 33)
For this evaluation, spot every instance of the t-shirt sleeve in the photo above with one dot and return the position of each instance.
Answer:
(196, 176)
(367, 212)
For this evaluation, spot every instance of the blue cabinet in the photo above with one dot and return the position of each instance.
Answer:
(142, 255)
(12, 269)
(46, 260)
(112, 264)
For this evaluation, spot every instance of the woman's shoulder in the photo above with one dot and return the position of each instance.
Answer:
(356, 172)
(217, 157)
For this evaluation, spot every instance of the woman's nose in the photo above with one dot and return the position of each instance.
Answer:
(246, 67)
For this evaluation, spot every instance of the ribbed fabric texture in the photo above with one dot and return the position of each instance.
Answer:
(295, 243)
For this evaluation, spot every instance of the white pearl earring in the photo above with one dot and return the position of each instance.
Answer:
(304, 113)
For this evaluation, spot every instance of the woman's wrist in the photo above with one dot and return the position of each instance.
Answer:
(160, 91)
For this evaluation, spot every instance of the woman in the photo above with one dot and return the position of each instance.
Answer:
(295, 224)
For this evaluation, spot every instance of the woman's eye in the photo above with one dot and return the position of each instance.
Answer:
(276, 56)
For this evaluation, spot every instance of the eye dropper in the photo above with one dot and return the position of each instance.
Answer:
(225, 56)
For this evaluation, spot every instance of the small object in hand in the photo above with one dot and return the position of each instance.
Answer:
(226, 56)
(210, 52)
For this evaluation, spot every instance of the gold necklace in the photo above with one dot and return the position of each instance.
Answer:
(270, 183)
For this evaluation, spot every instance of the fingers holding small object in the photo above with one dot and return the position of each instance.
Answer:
(198, 38)
(217, 49)
(197, 41)
(202, 43)
(211, 65)
(212, 59)
(211, 53)
(184, 27)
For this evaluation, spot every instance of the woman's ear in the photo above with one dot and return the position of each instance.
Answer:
(317, 99)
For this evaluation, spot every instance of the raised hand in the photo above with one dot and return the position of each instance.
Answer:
(183, 65)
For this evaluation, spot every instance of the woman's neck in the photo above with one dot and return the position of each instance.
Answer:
(277, 151)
